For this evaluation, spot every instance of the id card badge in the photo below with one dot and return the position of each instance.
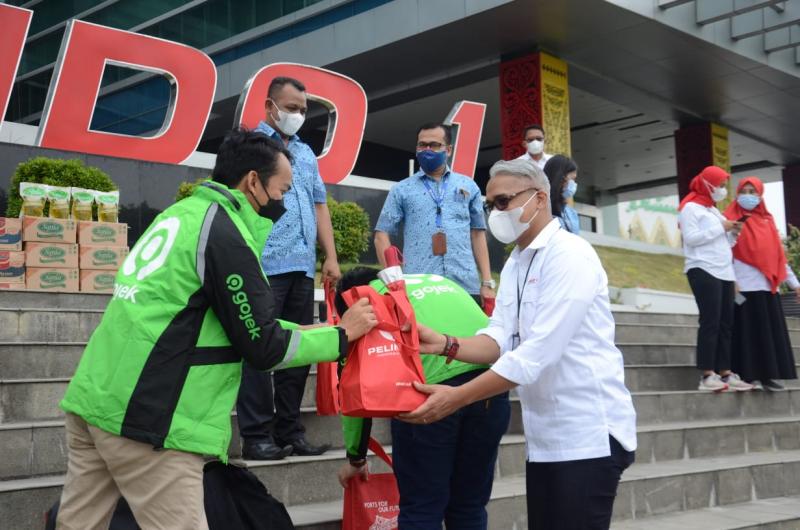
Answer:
(439, 243)
(515, 341)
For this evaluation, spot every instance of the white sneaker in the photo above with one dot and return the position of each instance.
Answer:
(757, 385)
(712, 383)
(735, 383)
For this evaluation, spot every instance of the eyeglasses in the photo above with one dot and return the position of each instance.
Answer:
(501, 202)
(433, 146)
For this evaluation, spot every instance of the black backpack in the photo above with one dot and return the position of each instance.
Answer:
(234, 499)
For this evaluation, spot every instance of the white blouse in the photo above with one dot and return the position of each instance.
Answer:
(706, 245)
(750, 279)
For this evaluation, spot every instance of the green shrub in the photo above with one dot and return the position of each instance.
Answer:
(55, 172)
(350, 230)
(792, 245)
(187, 188)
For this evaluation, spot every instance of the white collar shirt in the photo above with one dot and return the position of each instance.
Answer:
(540, 163)
(570, 373)
(706, 245)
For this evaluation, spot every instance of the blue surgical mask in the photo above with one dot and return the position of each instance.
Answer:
(430, 161)
(747, 201)
(570, 189)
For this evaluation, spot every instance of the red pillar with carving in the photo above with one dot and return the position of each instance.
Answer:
(520, 101)
(791, 195)
(693, 152)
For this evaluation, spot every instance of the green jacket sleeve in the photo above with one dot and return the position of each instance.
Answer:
(356, 435)
(311, 346)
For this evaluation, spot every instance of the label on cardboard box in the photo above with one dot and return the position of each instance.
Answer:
(48, 230)
(10, 233)
(13, 286)
(93, 281)
(50, 279)
(12, 267)
(103, 258)
(61, 255)
(105, 234)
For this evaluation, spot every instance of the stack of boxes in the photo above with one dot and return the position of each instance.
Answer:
(61, 255)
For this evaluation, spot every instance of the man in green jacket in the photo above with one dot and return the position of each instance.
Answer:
(154, 390)
(444, 470)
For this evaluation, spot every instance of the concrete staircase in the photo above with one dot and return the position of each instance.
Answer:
(704, 461)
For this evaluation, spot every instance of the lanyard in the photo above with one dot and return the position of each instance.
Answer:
(515, 338)
(439, 201)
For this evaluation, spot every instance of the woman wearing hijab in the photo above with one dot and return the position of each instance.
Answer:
(562, 173)
(709, 267)
(761, 349)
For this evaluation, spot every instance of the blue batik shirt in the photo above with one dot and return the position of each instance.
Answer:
(569, 220)
(292, 244)
(411, 205)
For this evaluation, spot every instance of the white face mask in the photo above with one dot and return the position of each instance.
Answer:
(288, 122)
(506, 226)
(535, 147)
(717, 194)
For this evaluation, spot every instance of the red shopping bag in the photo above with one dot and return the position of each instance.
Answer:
(488, 305)
(327, 374)
(377, 380)
(372, 504)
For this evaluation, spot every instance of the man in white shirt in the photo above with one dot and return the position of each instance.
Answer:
(552, 336)
(533, 142)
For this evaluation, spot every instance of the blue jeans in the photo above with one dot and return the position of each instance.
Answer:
(445, 470)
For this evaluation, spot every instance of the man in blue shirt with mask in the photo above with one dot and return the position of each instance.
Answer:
(289, 261)
(444, 229)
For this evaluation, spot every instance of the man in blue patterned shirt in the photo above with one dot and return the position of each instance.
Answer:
(289, 261)
(444, 229)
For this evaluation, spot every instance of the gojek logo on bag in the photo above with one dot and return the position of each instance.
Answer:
(420, 293)
(389, 348)
(234, 282)
(149, 255)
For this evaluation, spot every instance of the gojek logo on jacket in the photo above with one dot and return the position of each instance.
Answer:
(234, 282)
(149, 255)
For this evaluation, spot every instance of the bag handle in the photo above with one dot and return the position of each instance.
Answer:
(330, 295)
(376, 447)
(382, 314)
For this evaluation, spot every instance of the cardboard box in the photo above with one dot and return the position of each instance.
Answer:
(52, 279)
(105, 234)
(12, 267)
(102, 258)
(12, 286)
(48, 230)
(94, 281)
(55, 255)
(10, 233)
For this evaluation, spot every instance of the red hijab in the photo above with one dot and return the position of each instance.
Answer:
(698, 188)
(759, 243)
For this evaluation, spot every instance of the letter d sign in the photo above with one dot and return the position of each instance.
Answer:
(86, 50)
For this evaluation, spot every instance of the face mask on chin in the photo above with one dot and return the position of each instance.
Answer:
(288, 122)
(506, 226)
(272, 210)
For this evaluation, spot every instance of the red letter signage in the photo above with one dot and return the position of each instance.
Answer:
(15, 22)
(343, 97)
(467, 119)
(86, 50)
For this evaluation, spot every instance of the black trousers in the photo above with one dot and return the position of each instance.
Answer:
(575, 495)
(264, 415)
(715, 301)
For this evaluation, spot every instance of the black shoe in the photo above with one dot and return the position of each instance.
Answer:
(266, 450)
(301, 447)
(771, 384)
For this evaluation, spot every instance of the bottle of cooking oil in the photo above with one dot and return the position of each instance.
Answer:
(59, 202)
(107, 206)
(33, 198)
(82, 201)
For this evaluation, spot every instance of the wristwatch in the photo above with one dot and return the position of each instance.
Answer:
(491, 284)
